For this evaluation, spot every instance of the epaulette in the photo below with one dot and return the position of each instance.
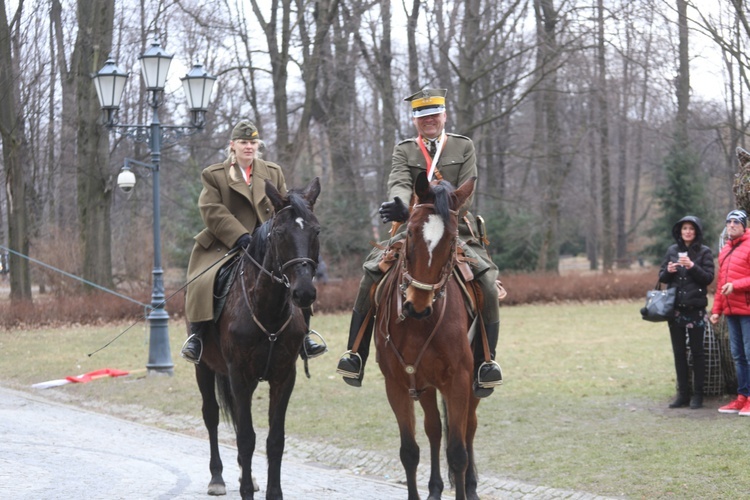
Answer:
(411, 139)
(457, 135)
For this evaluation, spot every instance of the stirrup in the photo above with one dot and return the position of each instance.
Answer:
(322, 343)
(348, 374)
(195, 360)
(490, 383)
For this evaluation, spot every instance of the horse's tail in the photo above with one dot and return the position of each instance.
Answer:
(226, 400)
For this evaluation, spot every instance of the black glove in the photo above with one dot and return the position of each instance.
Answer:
(394, 211)
(243, 241)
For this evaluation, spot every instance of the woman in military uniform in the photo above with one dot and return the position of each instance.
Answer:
(233, 203)
(446, 156)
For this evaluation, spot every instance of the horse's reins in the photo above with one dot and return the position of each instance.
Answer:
(164, 302)
(411, 369)
(406, 281)
(283, 280)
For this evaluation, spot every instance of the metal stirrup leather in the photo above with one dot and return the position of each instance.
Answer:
(361, 332)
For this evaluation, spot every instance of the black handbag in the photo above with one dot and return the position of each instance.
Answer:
(659, 304)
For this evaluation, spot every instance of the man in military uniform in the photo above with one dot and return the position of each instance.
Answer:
(446, 156)
(233, 203)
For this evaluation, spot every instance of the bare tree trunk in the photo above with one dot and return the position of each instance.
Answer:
(65, 173)
(606, 186)
(592, 228)
(621, 248)
(552, 169)
(411, 37)
(94, 42)
(466, 61)
(379, 65)
(642, 115)
(683, 78)
(15, 158)
(289, 145)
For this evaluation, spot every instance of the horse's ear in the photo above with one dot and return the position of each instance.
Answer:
(464, 191)
(422, 186)
(273, 194)
(312, 191)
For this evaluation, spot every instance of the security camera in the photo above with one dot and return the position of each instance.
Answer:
(126, 180)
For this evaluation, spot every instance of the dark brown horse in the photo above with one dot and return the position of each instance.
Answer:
(421, 338)
(259, 334)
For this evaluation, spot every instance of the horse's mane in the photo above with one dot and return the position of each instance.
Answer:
(259, 243)
(443, 192)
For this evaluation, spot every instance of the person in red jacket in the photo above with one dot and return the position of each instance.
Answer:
(732, 299)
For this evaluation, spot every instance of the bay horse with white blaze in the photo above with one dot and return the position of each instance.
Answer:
(259, 332)
(421, 338)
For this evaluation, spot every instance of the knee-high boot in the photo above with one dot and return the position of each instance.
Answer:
(352, 364)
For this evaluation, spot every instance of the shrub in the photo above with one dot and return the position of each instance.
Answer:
(333, 297)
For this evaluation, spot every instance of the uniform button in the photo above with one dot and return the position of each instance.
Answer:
(268, 210)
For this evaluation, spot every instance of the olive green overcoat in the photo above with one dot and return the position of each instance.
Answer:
(457, 164)
(229, 208)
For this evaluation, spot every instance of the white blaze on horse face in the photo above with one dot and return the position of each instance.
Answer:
(432, 231)
(301, 222)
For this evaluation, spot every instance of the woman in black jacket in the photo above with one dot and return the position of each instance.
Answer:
(689, 267)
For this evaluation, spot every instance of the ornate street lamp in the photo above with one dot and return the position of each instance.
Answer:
(110, 83)
(198, 85)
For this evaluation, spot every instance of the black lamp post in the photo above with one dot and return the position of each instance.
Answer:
(110, 83)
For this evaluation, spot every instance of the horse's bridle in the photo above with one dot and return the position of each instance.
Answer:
(445, 273)
(283, 279)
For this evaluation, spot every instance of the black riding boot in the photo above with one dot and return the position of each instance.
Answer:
(352, 364)
(193, 346)
(488, 374)
(311, 349)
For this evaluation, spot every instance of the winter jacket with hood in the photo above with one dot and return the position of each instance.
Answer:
(734, 268)
(691, 284)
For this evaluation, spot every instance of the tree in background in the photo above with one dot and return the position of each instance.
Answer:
(95, 181)
(683, 192)
(323, 80)
(15, 153)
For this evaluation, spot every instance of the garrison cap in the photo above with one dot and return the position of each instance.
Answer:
(427, 102)
(245, 130)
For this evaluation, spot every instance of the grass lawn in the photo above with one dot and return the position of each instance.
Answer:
(583, 407)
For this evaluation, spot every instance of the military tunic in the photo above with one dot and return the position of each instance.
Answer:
(229, 208)
(457, 164)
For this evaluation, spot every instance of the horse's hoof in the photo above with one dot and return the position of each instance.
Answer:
(217, 489)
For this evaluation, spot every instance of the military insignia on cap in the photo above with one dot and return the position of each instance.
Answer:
(245, 130)
(427, 102)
